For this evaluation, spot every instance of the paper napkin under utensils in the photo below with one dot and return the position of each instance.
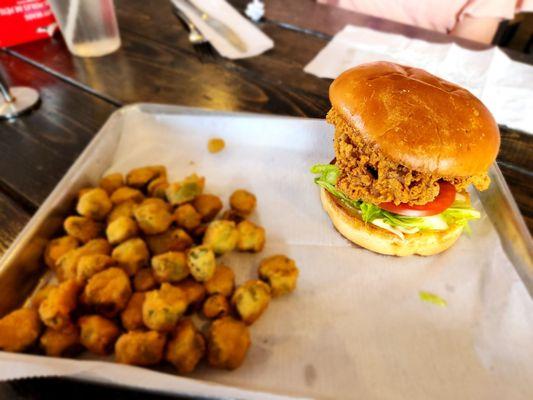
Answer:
(231, 34)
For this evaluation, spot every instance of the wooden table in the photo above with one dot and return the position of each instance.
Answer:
(157, 64)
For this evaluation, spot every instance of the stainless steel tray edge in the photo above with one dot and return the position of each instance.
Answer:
(510, 225)
(20, 264)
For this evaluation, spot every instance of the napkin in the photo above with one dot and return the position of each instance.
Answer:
(505, 86)
(256, 41)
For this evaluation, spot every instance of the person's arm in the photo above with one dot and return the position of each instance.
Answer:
(478, 29)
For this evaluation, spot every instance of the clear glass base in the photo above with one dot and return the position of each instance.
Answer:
(96, 48)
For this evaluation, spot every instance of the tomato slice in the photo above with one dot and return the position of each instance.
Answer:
(443, 200)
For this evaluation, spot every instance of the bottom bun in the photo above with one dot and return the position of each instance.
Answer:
(371, 237)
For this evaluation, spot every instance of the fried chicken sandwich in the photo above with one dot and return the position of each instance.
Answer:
(407, 145)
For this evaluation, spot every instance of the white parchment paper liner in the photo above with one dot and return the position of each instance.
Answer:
(355, 327)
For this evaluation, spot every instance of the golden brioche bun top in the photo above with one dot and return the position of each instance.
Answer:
(417, 119)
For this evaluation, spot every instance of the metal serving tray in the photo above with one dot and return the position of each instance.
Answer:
(21, 267)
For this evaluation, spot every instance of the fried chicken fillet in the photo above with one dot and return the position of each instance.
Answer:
(370, 175)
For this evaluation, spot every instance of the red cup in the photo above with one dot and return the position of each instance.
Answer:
(24, 21)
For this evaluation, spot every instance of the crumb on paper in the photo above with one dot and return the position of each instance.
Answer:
(216, 145)
(432, 298)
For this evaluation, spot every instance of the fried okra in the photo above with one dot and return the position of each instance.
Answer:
(19, 329)
(82, 228)
(67, 264)
(41, 295)
(132, 315)
(187, 217)
(98, 334)
(140, 348)
(199, 232)
(208, 206)
(243, 202)
(170, 266)
(221, 236)
(121, 229)
(186, 190)
(95, 246)
(153, 216)
(124, 209)
(126, 193)
(232, 215)
(280, 273)
(55, 310)
(172, 240)
(57, 248)
(186, 347)
(108, 292)
(157, 188)
(251, 299)
(162, 308)
(194, 292)
(90, 264)
(201, 262)
(216, 306)
(140, 177)
(144, 280)
(228, 343)
(82, 191)
(131, 255)
(111, 182)
(60, 343)
(154, 245)
(94, 204)
(251, 237)
(222, 282)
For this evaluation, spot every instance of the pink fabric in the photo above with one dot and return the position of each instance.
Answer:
(526, 5)
(504, 9)
(437, 15)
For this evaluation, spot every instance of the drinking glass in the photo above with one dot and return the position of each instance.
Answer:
(89, 27)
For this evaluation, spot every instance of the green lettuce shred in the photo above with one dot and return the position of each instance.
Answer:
(327, 178)
(369, 212)
(459, 213)
(432, 298)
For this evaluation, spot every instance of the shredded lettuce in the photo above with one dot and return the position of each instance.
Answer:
(328, 172)
(459, 213)
(327, 178)
(432, 298)
(369, 212)
(395, 230)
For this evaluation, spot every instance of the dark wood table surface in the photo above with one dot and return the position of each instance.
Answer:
(157, 64)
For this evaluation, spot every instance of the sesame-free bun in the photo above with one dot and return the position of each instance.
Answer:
(417, 119)
(379, 240)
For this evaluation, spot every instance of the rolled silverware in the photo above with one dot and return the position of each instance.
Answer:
(228, 34)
